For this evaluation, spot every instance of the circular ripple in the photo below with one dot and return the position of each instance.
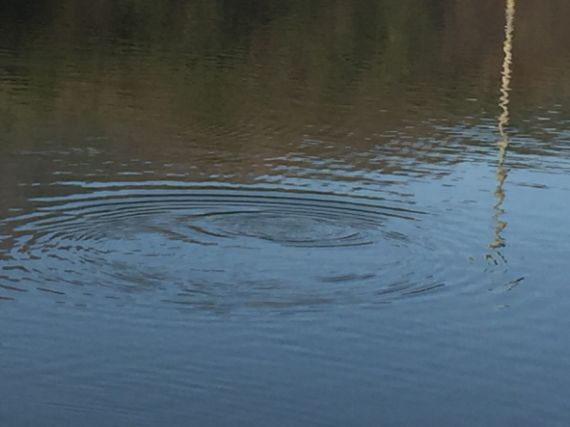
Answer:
(288, 229)
(216, 248)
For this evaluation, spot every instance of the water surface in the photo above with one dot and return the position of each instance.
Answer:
(284, 213)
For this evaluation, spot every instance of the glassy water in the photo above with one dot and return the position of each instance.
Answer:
(284, 213)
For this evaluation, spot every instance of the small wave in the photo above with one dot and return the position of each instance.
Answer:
(208, 246)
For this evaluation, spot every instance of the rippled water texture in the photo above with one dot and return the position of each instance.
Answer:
(217, 247)
(284, 213)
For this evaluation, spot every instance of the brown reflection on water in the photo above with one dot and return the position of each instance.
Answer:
(210, 90)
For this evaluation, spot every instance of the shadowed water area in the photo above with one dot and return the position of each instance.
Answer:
(284, 213)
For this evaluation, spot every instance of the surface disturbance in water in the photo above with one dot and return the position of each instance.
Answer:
(191, 244)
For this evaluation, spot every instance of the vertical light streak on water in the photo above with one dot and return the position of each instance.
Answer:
(503, 144)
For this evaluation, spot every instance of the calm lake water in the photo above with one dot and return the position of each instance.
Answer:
(284, 213)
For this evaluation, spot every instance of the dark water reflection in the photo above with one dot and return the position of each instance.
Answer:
(284, 213)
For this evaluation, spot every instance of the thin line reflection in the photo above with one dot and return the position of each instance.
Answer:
(503, 144)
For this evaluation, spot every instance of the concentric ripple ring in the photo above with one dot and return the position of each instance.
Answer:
(228, 246)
